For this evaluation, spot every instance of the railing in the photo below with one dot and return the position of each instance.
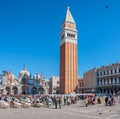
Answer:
(106, 75)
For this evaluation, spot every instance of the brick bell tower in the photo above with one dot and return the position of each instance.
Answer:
(68, 55)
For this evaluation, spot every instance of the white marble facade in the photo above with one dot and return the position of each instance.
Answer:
(24, 84)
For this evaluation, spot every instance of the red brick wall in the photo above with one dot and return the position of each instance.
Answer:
(68, 68)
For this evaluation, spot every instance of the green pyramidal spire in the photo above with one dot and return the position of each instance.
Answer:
(68, 17)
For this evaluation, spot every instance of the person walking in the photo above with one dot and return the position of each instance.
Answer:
(68, 100)
(59, 102)
(106, 101)
(56, 102)
(65, 100)
(86, 101)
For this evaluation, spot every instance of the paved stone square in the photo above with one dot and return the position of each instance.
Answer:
(75, 111)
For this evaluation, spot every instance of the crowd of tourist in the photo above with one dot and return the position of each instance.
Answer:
(107, 100)
(110, 101)
(55, 101)
(16, 101)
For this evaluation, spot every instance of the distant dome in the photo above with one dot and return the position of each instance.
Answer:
(24, 72)
(36, 76)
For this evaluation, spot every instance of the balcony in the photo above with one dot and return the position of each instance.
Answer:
(109, 75)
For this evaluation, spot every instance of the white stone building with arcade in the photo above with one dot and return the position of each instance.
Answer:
(24, 84)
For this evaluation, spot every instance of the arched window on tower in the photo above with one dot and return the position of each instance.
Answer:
(71, 35)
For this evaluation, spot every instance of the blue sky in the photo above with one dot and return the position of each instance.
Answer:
(30, 34)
